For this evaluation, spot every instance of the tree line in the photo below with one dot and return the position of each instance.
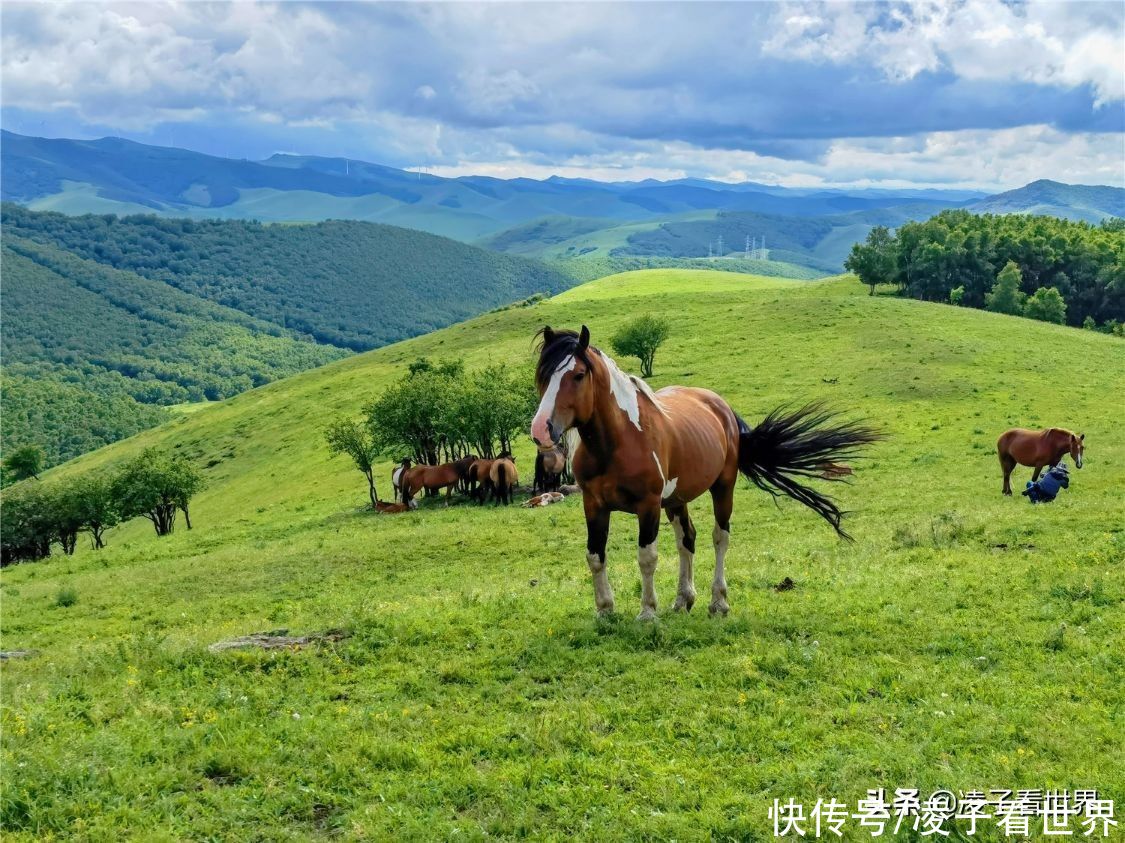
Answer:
(958, 257)
(36, 514)
(435, 413)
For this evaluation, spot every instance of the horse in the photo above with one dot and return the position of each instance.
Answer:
(642, 452)
(503, 477)
(549, 468)
(433, 478)
(1038, 449)
(396, 477)
(478, 474)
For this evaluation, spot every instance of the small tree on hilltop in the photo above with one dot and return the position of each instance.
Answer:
(1046, 305)
(346, 436)
(23, 463)
(1006, 296)
(155, 485)
(641, 338)
(874, 260)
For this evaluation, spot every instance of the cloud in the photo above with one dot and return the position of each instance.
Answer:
(673, 87)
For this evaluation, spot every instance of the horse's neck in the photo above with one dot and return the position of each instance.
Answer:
(607, 429)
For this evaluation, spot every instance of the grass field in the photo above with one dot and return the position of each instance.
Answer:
(964, 641)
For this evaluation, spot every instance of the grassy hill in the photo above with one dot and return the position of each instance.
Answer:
(965, 640)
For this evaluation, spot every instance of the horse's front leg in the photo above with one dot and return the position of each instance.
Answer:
(1035, 474)
(648, 527)
(597, 534)
(685, 543)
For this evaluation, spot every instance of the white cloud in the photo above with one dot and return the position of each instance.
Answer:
(1062, 44)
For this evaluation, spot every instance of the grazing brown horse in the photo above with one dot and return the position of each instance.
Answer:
(1037, 448)
(503, 478)
(435, 477)
(643, 451)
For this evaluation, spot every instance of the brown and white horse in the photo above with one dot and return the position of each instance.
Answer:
(1037, 448)
(643, 451)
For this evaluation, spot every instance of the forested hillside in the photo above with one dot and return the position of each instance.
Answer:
(106, 320)
(350, 284)
(90, 352)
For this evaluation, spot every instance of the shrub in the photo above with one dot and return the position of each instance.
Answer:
(1006, 296)
(155, 485)
(66, 596)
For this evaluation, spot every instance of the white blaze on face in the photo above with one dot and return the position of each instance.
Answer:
(539, 430)
(1078, 460)
(669, 485)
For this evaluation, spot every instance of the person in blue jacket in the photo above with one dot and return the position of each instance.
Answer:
(1046, 488)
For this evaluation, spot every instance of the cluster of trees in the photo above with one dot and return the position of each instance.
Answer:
(1043, 267)
(34, 515)
(437, 413)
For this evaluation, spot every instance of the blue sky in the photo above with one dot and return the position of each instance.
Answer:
(969, 94)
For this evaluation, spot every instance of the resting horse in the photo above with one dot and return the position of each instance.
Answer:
(434, 477)
(643, 451)
(1038, 449)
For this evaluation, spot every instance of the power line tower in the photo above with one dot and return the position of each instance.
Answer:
(710, 253)
(720, 245)
(746, 251)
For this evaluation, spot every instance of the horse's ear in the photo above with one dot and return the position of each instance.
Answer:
(584, 339)
(1081, 437)
(548, 336)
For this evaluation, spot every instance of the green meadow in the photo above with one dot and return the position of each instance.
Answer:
(963, 641)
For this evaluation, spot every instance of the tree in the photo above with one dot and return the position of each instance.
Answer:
(1006, 296)
(641, 338)
(346, 436)
(96, 507)
(957, 295)
(874, 260)
(24, 462)
(1046, 305)
(155, 485)
(1089, 324)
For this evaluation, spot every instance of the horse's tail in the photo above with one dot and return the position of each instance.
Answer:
(502, 481)
(807, 442)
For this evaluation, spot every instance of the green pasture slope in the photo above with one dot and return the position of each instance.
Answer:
(964, 641)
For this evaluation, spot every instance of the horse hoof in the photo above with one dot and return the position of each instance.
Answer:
(683, 604)
(647, 615)
(719, 609)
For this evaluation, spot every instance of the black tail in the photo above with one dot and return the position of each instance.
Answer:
(801, 443)
(502, 482)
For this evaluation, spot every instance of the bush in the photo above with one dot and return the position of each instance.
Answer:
(66, 596)
(957, 295)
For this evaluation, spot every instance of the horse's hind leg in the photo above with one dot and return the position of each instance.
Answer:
(722, 498)
(1035, 474)
(1007, 465)
(685, 543)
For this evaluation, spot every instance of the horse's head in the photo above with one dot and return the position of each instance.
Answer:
(1077, 447)
(566, 391)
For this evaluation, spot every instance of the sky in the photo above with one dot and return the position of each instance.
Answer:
(977, 94)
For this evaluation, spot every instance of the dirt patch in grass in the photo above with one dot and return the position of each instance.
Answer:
(278, 639)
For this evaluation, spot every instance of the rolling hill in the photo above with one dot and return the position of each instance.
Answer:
(474, 695)
(1088, 203)
(115, 314)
